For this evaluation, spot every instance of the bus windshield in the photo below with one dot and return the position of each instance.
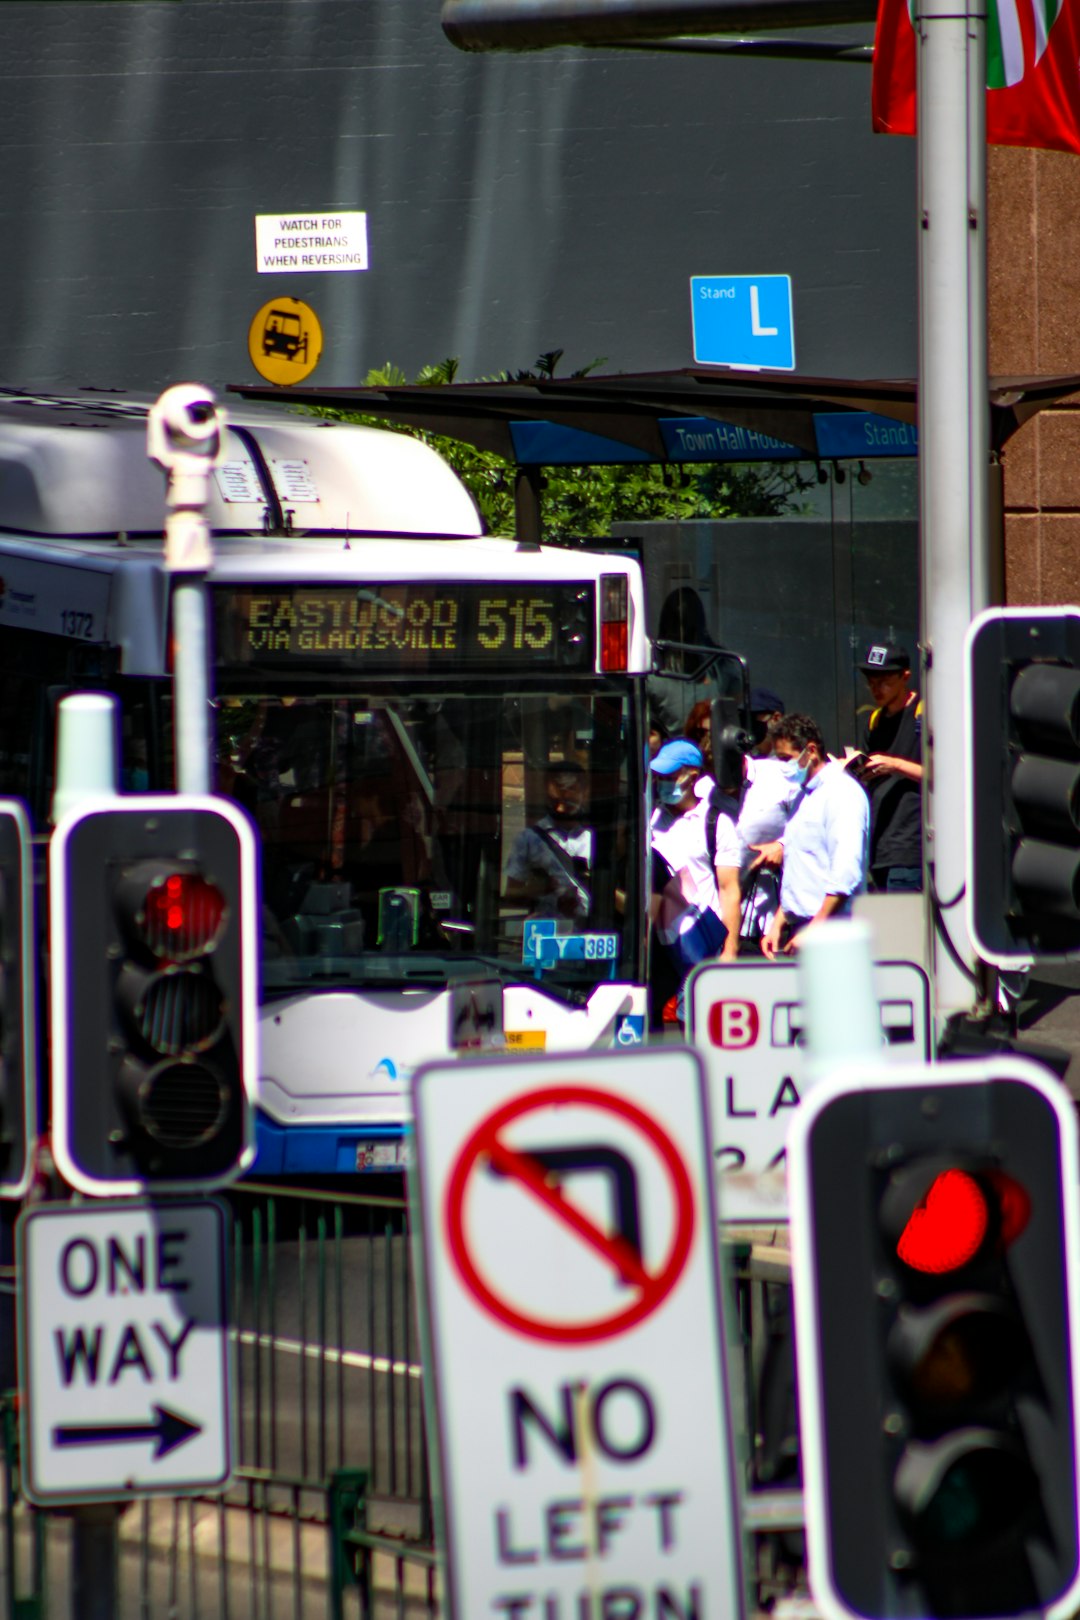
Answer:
(419, 835)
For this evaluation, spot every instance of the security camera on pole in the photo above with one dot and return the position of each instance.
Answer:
(184, 435)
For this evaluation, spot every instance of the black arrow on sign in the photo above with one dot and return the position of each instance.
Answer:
(169, 1431)
(562, 1162)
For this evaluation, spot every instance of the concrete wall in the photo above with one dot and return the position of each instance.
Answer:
(515, 203)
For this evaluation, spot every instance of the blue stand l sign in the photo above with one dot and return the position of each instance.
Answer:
(743, 321)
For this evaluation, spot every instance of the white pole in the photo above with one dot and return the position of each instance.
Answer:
(86, 751)
(954, 428)
(838, 993)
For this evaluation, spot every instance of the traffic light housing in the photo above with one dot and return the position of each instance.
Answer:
(731, 742)
(154, 994)
(934, 1229)
(18, 1002)
(1023, 774)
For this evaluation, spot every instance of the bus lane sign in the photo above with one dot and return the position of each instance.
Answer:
(567, 1240)
(123, 1323)
(746, 1022)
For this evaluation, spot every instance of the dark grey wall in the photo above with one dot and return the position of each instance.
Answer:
(515, 203)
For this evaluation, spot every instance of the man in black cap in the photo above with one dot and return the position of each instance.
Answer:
(765, 708)
(892, 772)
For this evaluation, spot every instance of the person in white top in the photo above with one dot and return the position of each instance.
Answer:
(680, 836)
(694, 905)
(769, 801)
(825, 844)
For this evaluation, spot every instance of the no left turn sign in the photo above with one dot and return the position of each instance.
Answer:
(545, 1176)
(567, 1235)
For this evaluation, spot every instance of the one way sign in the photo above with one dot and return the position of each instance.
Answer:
(124, 1347)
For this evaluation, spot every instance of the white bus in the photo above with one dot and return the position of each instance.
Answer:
(395, 693)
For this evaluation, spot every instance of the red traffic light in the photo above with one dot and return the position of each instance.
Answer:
(946, 1230)
(180, 914)
(942, 1217)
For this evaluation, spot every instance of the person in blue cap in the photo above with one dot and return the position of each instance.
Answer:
(696, 900)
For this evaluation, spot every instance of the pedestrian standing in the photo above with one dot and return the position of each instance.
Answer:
(892, 773)
(696, 900)
(824, 847)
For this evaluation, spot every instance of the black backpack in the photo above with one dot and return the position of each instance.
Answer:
(720, 804)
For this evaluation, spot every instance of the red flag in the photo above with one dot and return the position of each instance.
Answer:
(1032, 72)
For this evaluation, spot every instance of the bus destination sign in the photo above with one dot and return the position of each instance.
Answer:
(415, 626)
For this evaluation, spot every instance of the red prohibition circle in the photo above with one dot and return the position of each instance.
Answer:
(484, 1143)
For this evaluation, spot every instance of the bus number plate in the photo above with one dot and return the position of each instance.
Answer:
(381, 1155)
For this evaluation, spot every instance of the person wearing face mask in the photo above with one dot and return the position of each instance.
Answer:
(696, 899)
(824, 846)
(765, 710)
(769, 801)
(550, 861)
(760, 810)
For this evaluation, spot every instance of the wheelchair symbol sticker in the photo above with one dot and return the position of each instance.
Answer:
(630, 1029)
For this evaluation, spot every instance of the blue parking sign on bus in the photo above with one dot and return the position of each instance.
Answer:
(743, 321)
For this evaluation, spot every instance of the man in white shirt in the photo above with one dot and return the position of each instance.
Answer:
(825, 844)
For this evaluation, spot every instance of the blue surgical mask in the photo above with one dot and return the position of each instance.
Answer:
(670, 791)
(795, 771)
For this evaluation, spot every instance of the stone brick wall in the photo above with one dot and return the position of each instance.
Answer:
(1034, 328)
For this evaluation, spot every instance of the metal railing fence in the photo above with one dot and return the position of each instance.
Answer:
(328, 1514)
(327, 1387)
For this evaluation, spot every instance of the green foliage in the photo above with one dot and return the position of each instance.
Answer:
(583, 503)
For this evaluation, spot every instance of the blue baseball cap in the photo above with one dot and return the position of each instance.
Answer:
(676, 756)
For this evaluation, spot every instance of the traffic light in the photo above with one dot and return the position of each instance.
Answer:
(154, 1000)
(526, 25)
(18, 1002)
(1023, 771)
(934, 1230)
(731, 742)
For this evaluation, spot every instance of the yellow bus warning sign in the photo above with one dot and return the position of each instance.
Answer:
(285, 341)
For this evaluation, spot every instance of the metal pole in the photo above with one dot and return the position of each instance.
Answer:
(528, 525)
(191, 685)
(954, 427)
(94, 1548)
(184, 435)
(86, 771)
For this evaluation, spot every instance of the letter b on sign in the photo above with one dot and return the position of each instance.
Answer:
(733, 1023)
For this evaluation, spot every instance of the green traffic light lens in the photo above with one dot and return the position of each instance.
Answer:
(962, 1493)
(182, 1106)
